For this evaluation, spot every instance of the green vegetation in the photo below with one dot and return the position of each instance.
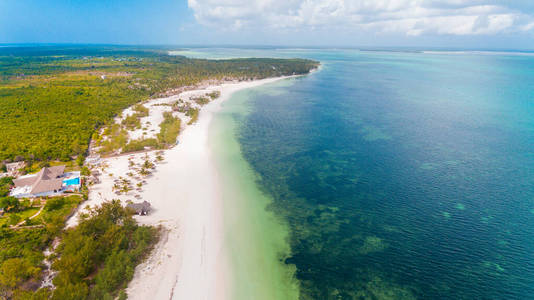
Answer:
(21, 254)
(21, 249)
(16, 210)
(53, 98)
(169, 129)
(138, 145)
(57, 209)
(98, 257)
(132, 122)
(193, 113)
(95, 260)
(13, 218)
(116, 138)
(214, 95)
(5, 184)
(33, 166)
(141, 110)
(202, 100)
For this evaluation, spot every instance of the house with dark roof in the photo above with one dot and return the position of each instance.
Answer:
(47, 182)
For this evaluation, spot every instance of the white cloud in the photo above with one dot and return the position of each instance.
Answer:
(409, 17)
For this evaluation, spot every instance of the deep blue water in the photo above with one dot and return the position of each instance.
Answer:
(401, 175)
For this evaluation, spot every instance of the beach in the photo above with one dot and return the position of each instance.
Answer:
(184, 191)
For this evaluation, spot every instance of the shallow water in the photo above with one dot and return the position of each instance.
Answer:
(254, 239)
(396, 175)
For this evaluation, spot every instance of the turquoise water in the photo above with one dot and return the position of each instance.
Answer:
(400, 175)
(72, 181)
(254, 239)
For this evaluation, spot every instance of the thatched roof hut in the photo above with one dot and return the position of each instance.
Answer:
(141, 209)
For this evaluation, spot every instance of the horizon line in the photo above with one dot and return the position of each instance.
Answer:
(272, 46)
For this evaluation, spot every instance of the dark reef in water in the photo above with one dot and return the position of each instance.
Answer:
(395, 187)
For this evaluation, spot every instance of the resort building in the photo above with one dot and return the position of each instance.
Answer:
(47, 182)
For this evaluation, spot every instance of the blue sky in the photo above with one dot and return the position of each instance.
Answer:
(495, 24)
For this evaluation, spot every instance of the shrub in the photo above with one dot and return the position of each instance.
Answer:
(169, 129)
(108, 244)
(214, 95)
(54, 203)
(131, 122)
(14, 219)
(138, 145)
(5, 185)
(193, 113)
(201, 100)
(141, 110)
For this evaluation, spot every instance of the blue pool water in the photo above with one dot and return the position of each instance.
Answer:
(72, 181)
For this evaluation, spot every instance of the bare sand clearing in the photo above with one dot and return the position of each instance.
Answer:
(188, 262)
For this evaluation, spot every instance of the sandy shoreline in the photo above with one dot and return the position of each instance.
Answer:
(184, 191)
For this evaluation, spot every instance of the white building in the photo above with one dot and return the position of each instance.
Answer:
(47, 182)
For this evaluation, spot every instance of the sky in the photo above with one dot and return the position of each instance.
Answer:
(482, 24)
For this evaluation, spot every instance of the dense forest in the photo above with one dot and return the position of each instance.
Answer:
(94, 260)
(53, 98)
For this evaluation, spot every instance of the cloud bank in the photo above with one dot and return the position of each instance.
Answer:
(408, 17)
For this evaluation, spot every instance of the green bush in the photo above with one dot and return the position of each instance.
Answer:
(54, 203)
(14, 271)
(138, 145)
(106, 245)
(169, 129)
(201, 100)
(141, 110)
(5, 185)
(214, 95)
(131, 122)
(10, 204)
(14, 219)
(193, 113)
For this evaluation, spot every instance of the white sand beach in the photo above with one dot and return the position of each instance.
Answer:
(183, 190)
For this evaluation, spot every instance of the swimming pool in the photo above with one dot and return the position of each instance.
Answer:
(72, 181)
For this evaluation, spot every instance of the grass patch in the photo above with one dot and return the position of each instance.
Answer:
(193, 113)
(169, 129)
(116, 138)
(13, 218)
(141, 110)
(132, 122)
(202, 100)
(214, 95)
(57, 209)
(139, 145)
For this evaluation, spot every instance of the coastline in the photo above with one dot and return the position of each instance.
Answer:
(255, 239)
(190, 261)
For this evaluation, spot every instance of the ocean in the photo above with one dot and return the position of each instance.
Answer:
(383, 175)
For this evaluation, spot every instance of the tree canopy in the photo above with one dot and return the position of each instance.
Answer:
(52, 99)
